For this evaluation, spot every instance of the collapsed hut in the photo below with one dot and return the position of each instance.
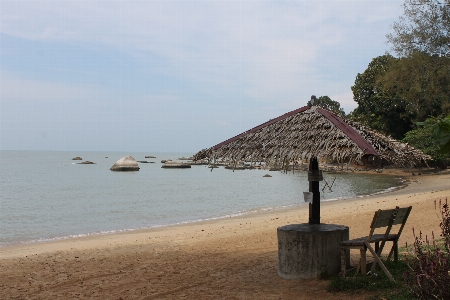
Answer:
(313, 132)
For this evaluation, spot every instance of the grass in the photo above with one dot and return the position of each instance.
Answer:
(377, 284)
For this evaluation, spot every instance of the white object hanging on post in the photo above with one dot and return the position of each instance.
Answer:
(308, 196)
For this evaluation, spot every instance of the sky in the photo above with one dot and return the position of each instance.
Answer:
(174, 76)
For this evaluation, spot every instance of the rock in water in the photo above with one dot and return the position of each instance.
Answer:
(175, 165)
(127, 163)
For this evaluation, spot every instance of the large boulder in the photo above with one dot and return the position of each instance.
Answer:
(127, 163)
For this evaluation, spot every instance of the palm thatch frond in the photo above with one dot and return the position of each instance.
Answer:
(312, 132)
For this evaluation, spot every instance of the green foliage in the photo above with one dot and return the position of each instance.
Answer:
(328, 104)
(430, 137)
(395, 93)
(428, 274)
(378, 284)
(428, 277)
(424, 27)
(422, 82)
(379, 108)
(441, 134)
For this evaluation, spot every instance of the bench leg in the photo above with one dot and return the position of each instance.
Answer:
(394, 250)
(377, 259)
(362, 252)
(343, 261)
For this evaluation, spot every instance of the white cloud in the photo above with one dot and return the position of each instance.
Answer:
(271, 55)
(219, 31)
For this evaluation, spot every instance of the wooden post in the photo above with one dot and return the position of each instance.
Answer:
(314, 207)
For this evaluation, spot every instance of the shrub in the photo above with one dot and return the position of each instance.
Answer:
(428, 274)
(445, 224)
(433, 138)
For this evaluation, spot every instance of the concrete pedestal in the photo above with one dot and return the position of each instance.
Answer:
(307, 251)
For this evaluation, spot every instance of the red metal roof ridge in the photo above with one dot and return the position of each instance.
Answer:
(270, 122)
(362, 143)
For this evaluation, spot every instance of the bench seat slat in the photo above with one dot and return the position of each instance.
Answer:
(375, 238)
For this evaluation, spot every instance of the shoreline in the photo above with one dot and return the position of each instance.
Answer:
(254, 211)
(303, 208)
(231, 258)
(80, 204)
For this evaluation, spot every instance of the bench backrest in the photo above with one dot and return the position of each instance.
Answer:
(388, 218)
(402, 215)
(383, 218)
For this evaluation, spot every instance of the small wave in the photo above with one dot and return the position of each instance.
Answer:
(155, 226)
(402, 184)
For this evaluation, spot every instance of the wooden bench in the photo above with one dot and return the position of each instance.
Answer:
(382, 219)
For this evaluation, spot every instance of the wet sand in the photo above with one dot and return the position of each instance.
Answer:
(233, 258)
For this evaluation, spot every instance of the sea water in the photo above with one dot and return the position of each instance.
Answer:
(46, 195)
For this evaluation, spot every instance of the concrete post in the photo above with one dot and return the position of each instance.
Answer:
(307, 251)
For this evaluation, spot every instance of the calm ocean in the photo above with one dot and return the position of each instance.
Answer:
(46, 195)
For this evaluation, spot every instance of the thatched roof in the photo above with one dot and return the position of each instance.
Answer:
(312, 132)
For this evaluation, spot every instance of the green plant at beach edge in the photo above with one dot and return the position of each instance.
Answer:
(378, 285)
(428, 271)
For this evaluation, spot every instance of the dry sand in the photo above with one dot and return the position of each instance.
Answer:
(234, 258)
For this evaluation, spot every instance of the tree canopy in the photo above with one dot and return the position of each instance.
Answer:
(433, 138)
(422, 82)
(380, 108)
(395, 93)
(424, 27)
(328, 104)
(441, 133)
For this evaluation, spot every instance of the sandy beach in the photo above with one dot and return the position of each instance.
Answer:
(233, 258)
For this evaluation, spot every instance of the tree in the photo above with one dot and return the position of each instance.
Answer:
(395, 93)
(433, 138)
(424, 27)
(379, 108)
(328, 104)
(441, 134)
(422, 82)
